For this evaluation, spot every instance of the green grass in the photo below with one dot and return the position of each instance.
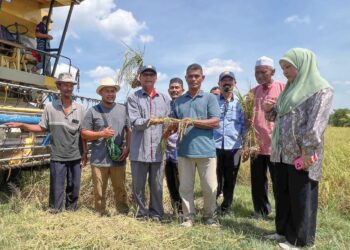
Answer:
(25, 224)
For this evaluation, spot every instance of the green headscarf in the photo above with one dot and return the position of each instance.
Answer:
(307, 83)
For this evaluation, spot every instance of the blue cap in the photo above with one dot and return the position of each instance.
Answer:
(227, 73)
(148, 67)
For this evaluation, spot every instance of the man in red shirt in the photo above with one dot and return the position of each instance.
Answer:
(268, 89)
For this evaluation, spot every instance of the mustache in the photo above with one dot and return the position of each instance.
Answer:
(227, 88)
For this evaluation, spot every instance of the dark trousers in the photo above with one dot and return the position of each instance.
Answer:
(172, 179)
(296, 205)
(59, 172)
(259, 183)
(139, 172)
(226, 172)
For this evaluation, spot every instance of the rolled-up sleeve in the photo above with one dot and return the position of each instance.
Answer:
(318, 114)
(44, 122)
(134, 113)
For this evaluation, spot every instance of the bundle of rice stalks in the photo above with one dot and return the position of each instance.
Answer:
(170, 125)
(181, 124)
(131, 68)
(250, 145)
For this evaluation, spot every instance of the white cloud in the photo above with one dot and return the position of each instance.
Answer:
(297, 19)
(101, 71)
(346, 82)
(215, 66)
(73, 34)
(78, 50)
(103, 16)
(121, 26)
(146, 39)
(63, 67)
(161, 76)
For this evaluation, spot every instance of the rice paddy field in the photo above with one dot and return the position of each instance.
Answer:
(26, 224)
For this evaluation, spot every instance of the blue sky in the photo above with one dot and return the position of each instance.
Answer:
(220, 35)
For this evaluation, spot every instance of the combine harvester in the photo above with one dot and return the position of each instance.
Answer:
(23, 94)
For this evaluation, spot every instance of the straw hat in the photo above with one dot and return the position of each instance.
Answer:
(66, 77)
(107, 82)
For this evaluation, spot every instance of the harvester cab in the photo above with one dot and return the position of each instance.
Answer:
(24, 89)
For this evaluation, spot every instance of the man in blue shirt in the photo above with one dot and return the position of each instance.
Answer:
(228, 139)
(43, 44)
(197, 147)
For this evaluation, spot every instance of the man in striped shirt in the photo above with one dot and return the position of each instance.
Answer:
(145, 146)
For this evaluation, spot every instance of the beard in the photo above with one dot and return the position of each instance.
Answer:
(227, 88)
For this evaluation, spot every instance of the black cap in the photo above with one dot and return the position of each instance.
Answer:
(47, 17)
(148, 68)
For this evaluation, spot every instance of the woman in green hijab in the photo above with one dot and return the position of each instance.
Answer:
(301, 116)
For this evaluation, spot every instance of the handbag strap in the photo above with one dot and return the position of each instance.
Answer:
(103, 115)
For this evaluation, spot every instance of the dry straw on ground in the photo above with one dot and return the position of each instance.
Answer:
(26, 224)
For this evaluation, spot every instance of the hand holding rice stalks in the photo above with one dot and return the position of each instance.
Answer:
(250, 145)
(180, 124)
(172, 125)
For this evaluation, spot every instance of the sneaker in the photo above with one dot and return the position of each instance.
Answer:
(211, 222)
(54, 211)
(275, 236)
(225, 212)
(141, 217)
(187, 223)
(287, 246)
(122, 209)
(156, 219)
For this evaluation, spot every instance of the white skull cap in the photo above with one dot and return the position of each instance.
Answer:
(265, 61)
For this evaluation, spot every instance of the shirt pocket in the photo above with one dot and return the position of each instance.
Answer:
(73, 128)
(231, 114)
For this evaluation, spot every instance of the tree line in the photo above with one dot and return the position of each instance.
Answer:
(340, 118)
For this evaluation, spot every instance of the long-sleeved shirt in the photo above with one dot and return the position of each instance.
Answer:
(171, 151)
(145, 143)
(301, 131)
(263, 127)
(229, 134)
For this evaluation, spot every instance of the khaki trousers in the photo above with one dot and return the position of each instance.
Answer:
(100, 176)
(207, 173)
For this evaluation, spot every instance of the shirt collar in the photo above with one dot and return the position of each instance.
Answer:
(200, 93)
(59, 103)
(154, 92)
(268, 87)
(221, 98)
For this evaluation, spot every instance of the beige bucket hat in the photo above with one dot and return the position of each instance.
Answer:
(66, 77)
(107, 82)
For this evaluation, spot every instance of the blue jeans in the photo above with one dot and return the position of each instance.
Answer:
(44, 47)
